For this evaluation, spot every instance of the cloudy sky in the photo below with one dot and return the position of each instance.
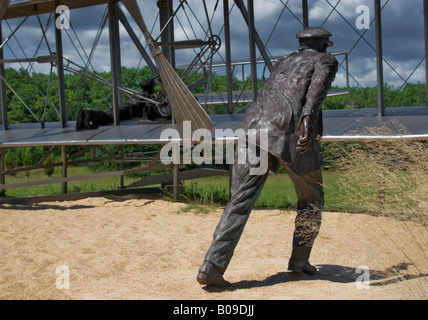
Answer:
(277, 22)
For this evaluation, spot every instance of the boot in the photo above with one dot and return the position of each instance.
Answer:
(299, 261)
(210, 276)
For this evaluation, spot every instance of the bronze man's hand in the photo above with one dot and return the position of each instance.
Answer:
(305, 138)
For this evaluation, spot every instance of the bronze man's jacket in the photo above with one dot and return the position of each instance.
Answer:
(297, 86)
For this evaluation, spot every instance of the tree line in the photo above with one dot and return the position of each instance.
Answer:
(82, 92)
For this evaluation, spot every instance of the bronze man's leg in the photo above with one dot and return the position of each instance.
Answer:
(245, 190)
(310, 195)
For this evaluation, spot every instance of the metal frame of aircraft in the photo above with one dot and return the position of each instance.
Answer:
(160, 58)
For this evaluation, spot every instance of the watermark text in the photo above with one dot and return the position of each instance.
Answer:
(63, 20)
(252, 147)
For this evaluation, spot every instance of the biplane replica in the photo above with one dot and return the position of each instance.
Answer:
(158, 52)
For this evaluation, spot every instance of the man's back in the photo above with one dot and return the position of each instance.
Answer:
(297, 85)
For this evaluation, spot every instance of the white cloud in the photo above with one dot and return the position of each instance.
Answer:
(364, 71)
(402, 31)
(267, 9)
(322, 10)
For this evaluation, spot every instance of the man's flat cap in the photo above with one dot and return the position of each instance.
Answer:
(314, 32)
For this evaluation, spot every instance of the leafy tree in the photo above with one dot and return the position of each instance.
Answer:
(82, 92)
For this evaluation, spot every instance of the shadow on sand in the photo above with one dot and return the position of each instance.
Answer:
(41, 206)
(326, 272)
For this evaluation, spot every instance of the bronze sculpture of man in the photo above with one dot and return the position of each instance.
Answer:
(289, 107)
(134, 107)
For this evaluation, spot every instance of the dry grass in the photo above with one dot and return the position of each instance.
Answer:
(386, 177)
(389, 178)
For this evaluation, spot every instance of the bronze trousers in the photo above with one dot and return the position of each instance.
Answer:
(245, 190)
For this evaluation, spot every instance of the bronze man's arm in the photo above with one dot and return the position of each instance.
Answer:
(324, 74)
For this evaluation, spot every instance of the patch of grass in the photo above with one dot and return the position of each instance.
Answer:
(100, 184)
(207, 191)
(386, 178)
(196, 208)
(278, 192)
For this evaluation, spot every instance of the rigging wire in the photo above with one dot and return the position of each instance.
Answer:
(16, 29)
(197, 20)
(365, 40)
(46, 96)
(19, 44)
(92, 75)
(48, 22)
(170, 19)
(151, 32)
(20, 99)
(208, 19)
(89, 58)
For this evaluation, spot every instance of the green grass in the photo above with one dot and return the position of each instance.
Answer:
(342, 191)
(100, 184)
(278, 192)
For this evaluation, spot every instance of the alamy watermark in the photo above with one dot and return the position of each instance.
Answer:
(363, 20)
(63, 281)
(63, 20)
(252, 147)
(363, 280)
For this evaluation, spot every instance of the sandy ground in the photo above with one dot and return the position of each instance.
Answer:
(144, 248)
